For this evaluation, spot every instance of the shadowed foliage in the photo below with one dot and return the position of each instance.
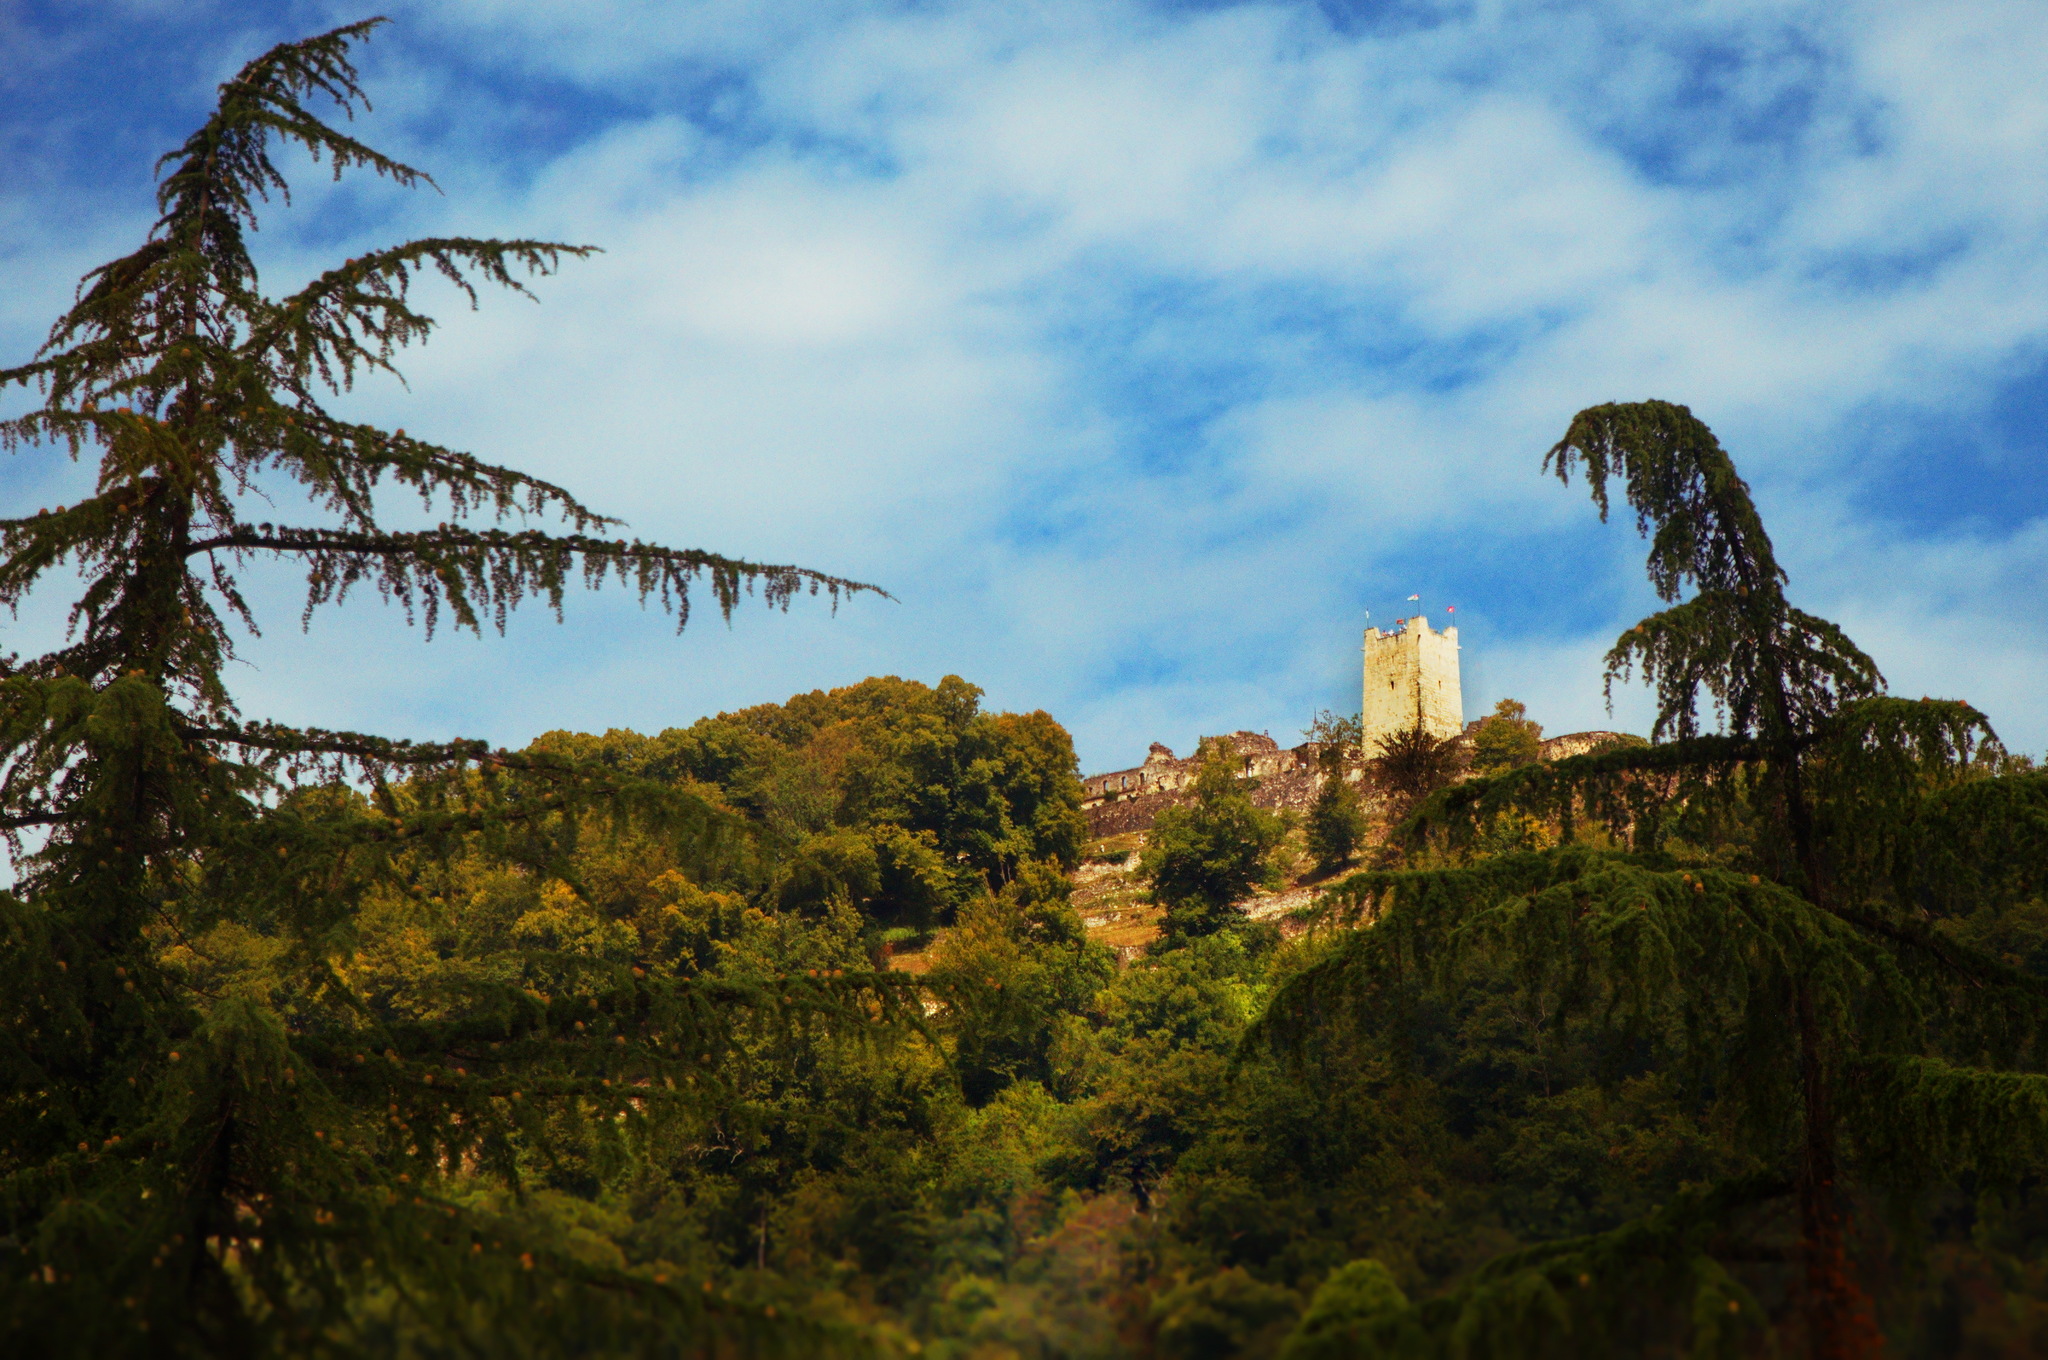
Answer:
(1769, 912)
(199, 1156)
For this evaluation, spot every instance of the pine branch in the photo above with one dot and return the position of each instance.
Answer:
(382, 751)
(224, 166)
(1770, 668)
(19, 821)
(1588, 1295)
(1619, 788)
(1687, 497)
(469, 569)
(1920, 1118)
(1960, 961)
(355, 317)
(204, 1151)
(343, 462)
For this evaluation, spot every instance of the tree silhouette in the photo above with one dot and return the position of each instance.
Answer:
(1805, 977)
(269, 1171)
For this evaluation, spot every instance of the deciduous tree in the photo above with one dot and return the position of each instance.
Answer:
(1506, 738)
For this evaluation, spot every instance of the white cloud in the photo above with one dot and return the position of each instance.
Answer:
(1138, 352)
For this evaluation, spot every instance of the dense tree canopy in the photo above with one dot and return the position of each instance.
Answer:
(1748, 915)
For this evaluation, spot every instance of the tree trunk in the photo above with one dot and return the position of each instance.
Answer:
(1837, 1313)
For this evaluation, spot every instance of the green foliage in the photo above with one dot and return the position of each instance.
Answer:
(326, 1044)
(1222, 1315)
(1204, 858)
(1770, 669)
(1411, 764)
(1760, 948)
(1334, 729)
(1157, 1067)
(1014, 973)
(219, 1135)
(1978, 845)
(990, 791)
(1352, 1302)
(1336, 823)
(1506, 738)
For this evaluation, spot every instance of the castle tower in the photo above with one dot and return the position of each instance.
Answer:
(1411, 676)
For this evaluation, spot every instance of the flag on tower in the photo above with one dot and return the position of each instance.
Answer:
(1414, 597)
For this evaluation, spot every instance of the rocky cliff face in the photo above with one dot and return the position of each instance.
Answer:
(1582, 743)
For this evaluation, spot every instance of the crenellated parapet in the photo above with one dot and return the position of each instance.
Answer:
(1411, 679)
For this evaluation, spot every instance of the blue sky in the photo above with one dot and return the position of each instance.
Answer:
(1140, 348)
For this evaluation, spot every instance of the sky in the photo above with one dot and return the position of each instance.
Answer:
(1140, 351)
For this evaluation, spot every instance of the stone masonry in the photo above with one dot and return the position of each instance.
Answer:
(1128, 800)
(1411, 678)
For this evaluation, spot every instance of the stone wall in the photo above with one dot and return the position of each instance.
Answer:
(1129, 800)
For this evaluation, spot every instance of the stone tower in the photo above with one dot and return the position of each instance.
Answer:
(1411, 676)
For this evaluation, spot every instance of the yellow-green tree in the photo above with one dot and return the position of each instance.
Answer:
(1506, 738)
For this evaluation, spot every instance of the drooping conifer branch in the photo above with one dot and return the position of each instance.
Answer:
(208, 1154)
(477, 571)
(1772, 669)
(1587, 1295)
(1925, 1119)
(1803, 976)
(192, 384)
(1623, 791)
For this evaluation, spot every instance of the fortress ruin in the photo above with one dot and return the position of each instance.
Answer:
(1128, 800)
(1410, 679)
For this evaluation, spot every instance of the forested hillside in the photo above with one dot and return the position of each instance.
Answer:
(780, 1033)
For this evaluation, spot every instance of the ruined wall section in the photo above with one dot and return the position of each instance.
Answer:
(1582, 744)
(1129, 800)
(1411, 674)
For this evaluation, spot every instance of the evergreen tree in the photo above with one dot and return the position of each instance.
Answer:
(1336, 820)
(278, 1167)
(1807, 978)
(1411, 764)
(1205, 857)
